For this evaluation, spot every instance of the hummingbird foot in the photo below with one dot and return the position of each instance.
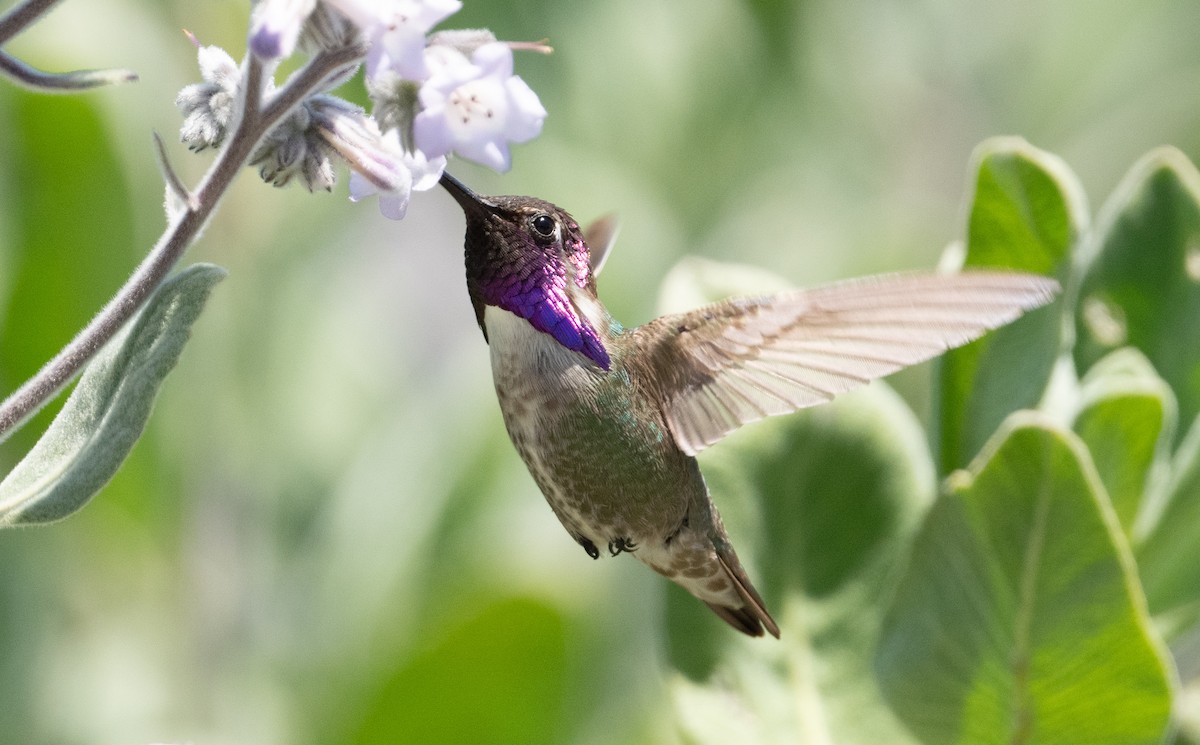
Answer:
(589, 547)
(618, 546)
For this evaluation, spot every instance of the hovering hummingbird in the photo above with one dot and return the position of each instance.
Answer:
(609, 419)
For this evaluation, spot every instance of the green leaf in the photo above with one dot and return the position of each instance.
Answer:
(1027, 213)
(1169, 554)
(1142, 287)
(499, 677)
(840, 489)
(105, 414)
(1127, 419)
(1020, 619)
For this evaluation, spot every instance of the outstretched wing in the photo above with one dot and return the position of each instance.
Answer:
(738, 361)
(600, 235)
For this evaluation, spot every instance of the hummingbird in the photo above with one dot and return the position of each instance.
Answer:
(609, 419)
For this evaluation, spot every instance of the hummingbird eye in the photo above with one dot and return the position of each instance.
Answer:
(543, 225)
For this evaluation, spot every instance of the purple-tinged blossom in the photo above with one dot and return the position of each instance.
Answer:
(395, 31)
(379, 165)
(475, 108)
(275, 27)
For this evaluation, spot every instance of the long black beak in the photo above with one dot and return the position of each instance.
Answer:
(472, 203)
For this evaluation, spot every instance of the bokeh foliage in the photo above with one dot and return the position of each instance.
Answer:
(324, 535)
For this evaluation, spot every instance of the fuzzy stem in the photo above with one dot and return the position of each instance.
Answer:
(22, 16)
(183, 229)
(62, 82)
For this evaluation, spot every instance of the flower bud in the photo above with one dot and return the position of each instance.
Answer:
(208, 107)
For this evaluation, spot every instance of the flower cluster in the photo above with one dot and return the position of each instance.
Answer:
(434, 95)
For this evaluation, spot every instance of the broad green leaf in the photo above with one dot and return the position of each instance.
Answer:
(105, 414)
(1021, 619)
(1169, 555)
(499, 677)
(1126, 418)
(839, 490)
(1027, 212)
(1142, 287)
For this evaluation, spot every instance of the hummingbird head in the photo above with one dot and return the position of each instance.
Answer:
(529, 257)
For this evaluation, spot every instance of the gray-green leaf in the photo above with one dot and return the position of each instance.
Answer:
(1021, 619)
(1169, 554)
(1142, 288)
(107, 411)
(1027, 212)
(1127, 419)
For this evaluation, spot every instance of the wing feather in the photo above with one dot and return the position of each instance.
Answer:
(738, 361)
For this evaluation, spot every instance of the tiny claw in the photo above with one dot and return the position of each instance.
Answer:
(588, 546)
(621, 545)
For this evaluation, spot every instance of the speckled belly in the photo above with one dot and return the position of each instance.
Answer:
(609, 473)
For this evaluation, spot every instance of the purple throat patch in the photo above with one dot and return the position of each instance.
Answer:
(546, 306)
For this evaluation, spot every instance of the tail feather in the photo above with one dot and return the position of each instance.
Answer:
(752, 617)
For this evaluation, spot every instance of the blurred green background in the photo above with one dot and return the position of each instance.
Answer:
(325, 535)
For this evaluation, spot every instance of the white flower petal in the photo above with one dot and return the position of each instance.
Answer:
(430, 133)
(527, 113)
(495, 59)
(403, 51)
(395, 31)
(426, 172)
(493, 154)
(448, 66)
(276, 25)
(360, 187)
(394, 205)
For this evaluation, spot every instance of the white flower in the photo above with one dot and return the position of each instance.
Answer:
(476, 108)
(407, 172)
(395, 31)
(276, 26)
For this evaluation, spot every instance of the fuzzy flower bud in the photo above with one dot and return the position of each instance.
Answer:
(295, 148)
(208, 107)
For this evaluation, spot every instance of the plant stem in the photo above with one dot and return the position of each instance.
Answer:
(255, 122)
(21, 16)
(67, 82)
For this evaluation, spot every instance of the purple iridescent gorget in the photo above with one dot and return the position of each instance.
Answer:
(532, 279)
